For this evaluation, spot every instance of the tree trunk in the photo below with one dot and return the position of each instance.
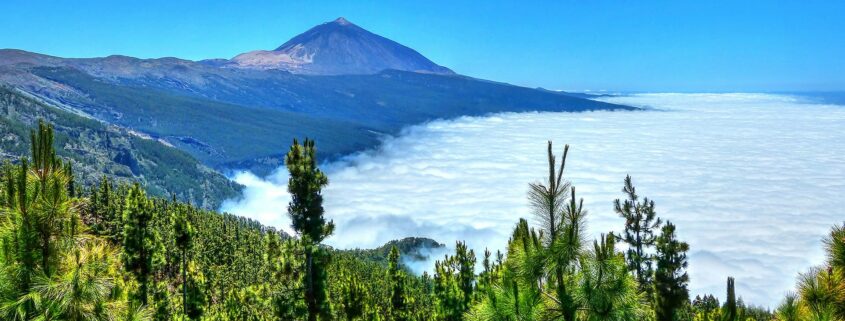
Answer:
(184, 284)
(310, 298)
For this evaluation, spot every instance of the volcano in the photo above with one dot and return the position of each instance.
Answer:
(338, 47)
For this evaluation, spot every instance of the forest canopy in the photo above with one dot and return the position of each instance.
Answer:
(113, 252)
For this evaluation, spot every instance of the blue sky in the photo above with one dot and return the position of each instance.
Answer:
(571, 45)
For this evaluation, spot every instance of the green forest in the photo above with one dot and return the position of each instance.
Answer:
(109, 251)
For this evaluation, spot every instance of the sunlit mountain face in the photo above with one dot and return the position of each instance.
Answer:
(336, 48)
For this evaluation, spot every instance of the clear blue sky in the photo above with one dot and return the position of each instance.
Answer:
(572, 45)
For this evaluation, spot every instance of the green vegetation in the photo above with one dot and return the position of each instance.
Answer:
(670, 279)
(821, 290)
(454, 280)
(112, 252)
(214, 132)
(96, 149)
(306, 213)
(640, 222)
(236, 119)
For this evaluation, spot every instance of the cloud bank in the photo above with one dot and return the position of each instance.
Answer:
(752, 181)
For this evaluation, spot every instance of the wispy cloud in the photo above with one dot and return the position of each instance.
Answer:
(751, 180)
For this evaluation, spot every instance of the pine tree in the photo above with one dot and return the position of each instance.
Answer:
(72, 190)
(285, 269)
(835, 248)
(670, 278)
(24, 242)
(48, 269)
(139, 240)
(194, 294)
(51, 208)
(729, 310)
(106, 215)
(561, 221)
(820, 289)
(396, 280)
(184, 233)
(790, 309)
(640, 224)
(353, 295)
(465, 259)
(44, 160)
(606, 290)
(306, 212)
(454, 281)
(40, 218)
(160, 302)
(486, 277)
(706, 308)
(81, 289)
(305, 186)
(516, 294)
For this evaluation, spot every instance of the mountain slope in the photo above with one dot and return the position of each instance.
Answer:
(96, 149)
(338, 48)
(232, 120)
(215, 132)
(230, 117)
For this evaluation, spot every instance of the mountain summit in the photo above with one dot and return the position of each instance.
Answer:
(338, 47)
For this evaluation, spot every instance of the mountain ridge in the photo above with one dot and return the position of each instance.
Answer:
(244, 118)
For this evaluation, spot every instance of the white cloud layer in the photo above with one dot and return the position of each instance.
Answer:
(752, 181)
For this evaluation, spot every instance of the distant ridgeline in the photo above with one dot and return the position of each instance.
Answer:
(96, 149)
(337, 83)
(111, 252)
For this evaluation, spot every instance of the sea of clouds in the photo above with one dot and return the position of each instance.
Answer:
(753, 181)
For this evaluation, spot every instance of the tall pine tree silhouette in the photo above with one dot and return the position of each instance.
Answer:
(670, 278)
(139, 240)
(729, 310)
(306, 213)
(640, 223)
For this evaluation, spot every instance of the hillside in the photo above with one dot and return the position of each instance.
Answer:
(413, 249)
(96, 149)
(354, 88)
(232, 118)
